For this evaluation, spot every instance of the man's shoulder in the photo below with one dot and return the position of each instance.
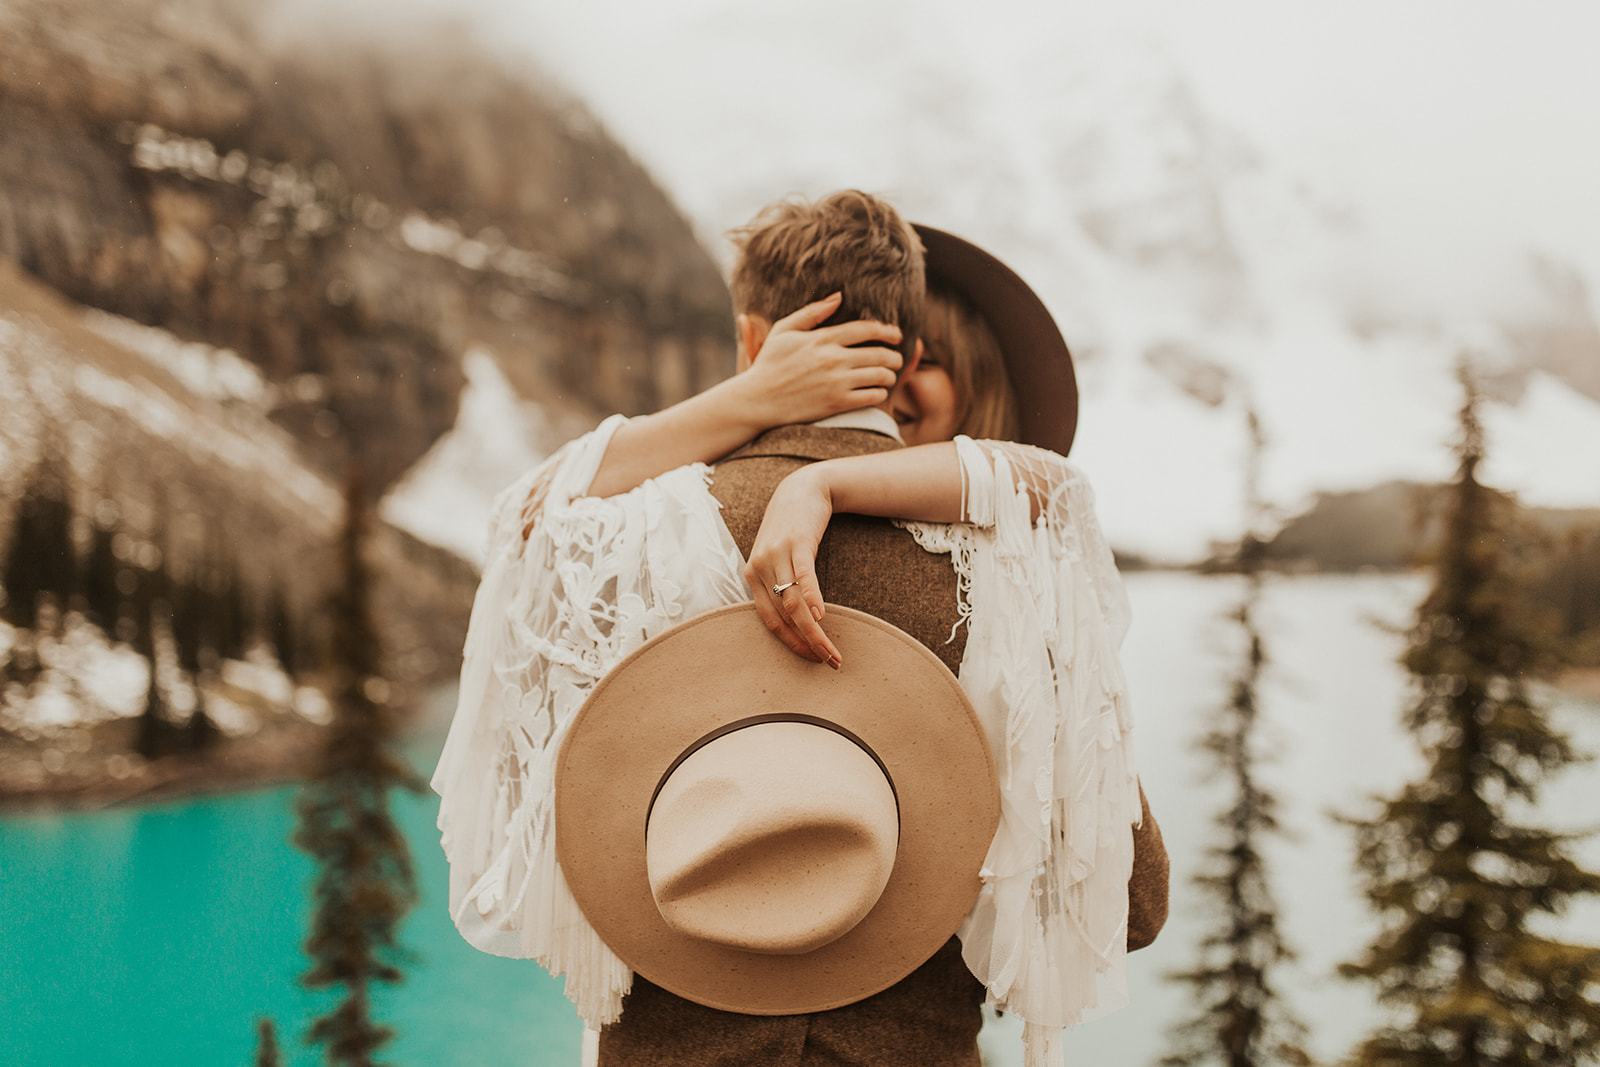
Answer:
(810, 443)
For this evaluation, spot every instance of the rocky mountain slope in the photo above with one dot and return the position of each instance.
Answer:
(235, 268)
(170, 444)
(349, 218)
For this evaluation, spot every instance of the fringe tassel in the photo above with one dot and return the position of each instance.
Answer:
(1041, 1046)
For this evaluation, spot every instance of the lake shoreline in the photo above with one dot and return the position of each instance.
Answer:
(96, 768)
(97, 773)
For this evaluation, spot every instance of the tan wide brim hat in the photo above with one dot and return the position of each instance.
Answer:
(1035, 353)
(762, 834)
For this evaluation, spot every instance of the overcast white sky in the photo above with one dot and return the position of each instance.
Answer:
(1475, 122)
(1472, 123)
(1482, 116)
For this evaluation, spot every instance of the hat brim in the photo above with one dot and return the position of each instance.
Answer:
(1035, 353)
(723, 667)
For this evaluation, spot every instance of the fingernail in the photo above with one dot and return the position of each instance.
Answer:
(835, 662)
(816, 613)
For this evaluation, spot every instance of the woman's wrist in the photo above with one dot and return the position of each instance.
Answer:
(746, 406)
(815, 480)
(760, 402)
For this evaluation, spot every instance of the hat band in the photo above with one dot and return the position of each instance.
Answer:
(757, 720)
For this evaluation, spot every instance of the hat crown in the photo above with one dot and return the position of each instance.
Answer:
(775, 838)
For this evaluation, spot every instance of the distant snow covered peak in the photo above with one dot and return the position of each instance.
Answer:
(446, 498)
(1193, 269)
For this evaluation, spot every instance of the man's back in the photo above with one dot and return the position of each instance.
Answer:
(864, 563)
(933, 1015)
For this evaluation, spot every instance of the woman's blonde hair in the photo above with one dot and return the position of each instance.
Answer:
(959, 340)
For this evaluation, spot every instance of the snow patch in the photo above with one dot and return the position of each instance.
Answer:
(84, 679)
(312, 705)
(447, 497)
(232, 718)
(1547, 447)
(217, 373)
(259, 673)
(247, 444)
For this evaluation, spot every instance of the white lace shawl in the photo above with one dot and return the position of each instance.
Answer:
(1046, 613)
(596, 578)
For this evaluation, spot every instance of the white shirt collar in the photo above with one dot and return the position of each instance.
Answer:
(874, 419)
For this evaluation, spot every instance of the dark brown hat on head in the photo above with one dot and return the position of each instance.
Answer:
(1036, 355)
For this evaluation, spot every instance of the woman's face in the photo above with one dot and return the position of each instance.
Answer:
(924, 403)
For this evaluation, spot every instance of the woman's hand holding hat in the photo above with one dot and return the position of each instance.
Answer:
(921, 483)
(782, 568)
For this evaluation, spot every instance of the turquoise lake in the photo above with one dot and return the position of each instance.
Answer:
(158, 935)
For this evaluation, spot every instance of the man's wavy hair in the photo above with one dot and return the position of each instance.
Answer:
(797, 251)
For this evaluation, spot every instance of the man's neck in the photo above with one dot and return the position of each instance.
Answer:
(875, 419)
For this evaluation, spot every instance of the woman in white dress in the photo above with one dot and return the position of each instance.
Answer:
(564, 598)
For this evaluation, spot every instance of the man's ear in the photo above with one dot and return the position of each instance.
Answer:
(751, 333)
(910, 366)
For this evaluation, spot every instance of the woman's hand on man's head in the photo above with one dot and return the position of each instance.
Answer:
(806, 371)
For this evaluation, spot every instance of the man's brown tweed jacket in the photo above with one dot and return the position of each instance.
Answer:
(932, 1016)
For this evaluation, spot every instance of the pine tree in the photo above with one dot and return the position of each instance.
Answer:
(266, 1045)
(192, 641)
(1454, 879)
(1241, 1020)
(283, 633)
(1570, 587)
(233, 621)
(41, 558)
(191, 625)
(102, 599)
(366, 883)
(157, 734)
(200, 732)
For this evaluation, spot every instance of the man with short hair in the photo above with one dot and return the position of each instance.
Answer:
(602, 576)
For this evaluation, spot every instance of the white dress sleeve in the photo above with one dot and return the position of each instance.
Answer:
(595, 579)
(1046, 613)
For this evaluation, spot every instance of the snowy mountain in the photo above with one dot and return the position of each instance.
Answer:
(1191, 272)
